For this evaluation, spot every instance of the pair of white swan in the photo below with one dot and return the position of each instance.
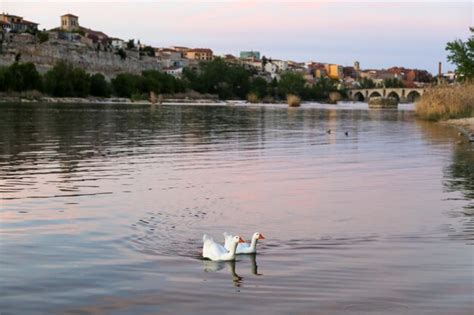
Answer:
(233, 245)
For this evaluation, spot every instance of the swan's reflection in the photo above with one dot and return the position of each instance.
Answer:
(214, 266)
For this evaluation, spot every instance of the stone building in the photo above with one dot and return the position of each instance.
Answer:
(69, 22)
(16, 24)
(199, 54)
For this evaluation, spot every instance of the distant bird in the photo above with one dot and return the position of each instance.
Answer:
(329, 131)
(346, 133)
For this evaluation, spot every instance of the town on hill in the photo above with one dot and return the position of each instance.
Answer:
(95, 52)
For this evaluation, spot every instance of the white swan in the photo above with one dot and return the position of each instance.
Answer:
(217, 252)
(244, 248)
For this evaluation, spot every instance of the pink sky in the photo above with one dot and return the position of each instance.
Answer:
(377, 33)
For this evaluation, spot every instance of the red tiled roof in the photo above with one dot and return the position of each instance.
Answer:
(71, 15)
(28, 22)
(201, 50)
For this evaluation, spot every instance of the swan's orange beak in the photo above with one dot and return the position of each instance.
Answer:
(260, 237)
(241, 240)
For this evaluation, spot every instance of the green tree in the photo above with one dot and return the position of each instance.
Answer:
(366, 83)
(99, 86)
(22, 77)
(291, 83)
(126, 84)
(218, 77)
(462, 55)
(259, 86)
(148, 51)
(64, 80)
(122, 54)
(393, 83)
(131, 44)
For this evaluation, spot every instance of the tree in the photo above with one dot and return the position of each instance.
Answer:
(393, 83)
(218, 77)
(131, 44)
(148, 51)
(259, 86)
(64, 80)
(126, 84)
(22, 77)
(291, 83)
(99, 86)
(122, 54)
(366, 83)
(462, 55)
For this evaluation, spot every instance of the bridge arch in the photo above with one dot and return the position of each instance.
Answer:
(413, 96)
(358, 96)
(375, 94)
(394, 95)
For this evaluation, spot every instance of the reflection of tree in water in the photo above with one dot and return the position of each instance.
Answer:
(459, 176)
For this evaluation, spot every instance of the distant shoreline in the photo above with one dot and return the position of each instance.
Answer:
(113, 100)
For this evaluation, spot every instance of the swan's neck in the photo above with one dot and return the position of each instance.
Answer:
(253, 244)
(233, 248)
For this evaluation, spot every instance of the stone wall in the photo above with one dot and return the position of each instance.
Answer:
(79, 53)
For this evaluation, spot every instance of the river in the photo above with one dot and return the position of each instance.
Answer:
(103, 208)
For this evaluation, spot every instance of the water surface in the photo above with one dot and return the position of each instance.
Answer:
(103, 208)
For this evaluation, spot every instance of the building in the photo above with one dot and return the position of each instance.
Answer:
(349, 72)
(281, 65)
(251, 64)
(176, 72)
(335, 71)
(250, 55)
(356, 66)
(95, 36)
(16, 24)
(181, 49)
(199, 54)
(69, 22)
(171, 58)
(117, 43)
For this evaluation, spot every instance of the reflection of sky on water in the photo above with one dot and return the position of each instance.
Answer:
(112, 202)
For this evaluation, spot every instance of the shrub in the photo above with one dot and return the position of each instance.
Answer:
(252, 98)
(43, 37)
(122, 54)
(446, 102)
(293, 100)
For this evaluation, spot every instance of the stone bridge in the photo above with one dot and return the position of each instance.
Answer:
(403, 95)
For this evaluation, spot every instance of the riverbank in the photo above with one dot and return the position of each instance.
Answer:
(464, 125)
(112, 100)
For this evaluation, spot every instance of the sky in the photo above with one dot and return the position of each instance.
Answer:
(378, 34)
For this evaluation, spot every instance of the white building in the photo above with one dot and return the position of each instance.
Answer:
(281, 64)
(176, 72)
(118, 43)
(272, 69)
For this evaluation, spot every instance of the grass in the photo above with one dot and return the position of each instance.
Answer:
(446, 102)
(293, 100)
